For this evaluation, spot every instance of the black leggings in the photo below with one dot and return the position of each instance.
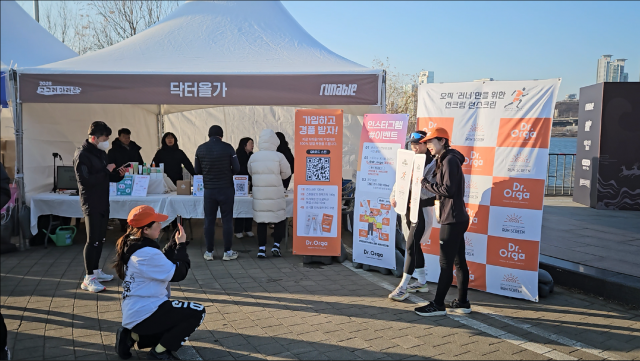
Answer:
(278, 232)
(171, 324)
(96, 225)
(413, 257)
(242, 225)
(452, 253)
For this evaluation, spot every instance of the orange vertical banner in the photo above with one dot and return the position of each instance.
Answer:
(318, 182)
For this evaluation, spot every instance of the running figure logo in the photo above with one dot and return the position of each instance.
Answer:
(519, 94)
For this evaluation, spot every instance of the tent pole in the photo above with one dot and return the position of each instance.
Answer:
(16, 106)
(160, 124)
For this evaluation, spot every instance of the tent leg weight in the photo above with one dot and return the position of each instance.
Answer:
(545, 283)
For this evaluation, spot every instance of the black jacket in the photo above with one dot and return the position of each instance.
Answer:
(449, 187)
(175, 252)
(217, 162)
(120, 155)
(286, 151)
(5, 191)
(90, 164)
(173, 158)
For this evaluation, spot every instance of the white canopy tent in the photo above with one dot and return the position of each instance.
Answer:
(243, 65)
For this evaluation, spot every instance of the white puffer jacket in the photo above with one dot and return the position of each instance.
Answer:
(267, 169)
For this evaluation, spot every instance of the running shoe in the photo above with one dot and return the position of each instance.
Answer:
(92, 285)
(101, 276)
(399, 294)
(430, 309)
(250, 234)
(275, 251)
(124, 343)
(208, 256)
(230, 255)
(164, 355)
(262, 252)
(239, 235)
(459, 307)
(417, 287)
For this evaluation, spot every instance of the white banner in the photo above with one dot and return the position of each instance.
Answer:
(503, 129)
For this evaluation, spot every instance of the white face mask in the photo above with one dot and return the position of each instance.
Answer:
(103, 145)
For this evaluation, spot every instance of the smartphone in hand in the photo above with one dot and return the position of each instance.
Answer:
(126, 165)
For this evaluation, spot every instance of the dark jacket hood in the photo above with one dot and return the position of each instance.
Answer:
(132, 145)
(452, 153)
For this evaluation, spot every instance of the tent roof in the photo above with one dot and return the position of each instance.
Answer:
(215, 37)
(26, 43)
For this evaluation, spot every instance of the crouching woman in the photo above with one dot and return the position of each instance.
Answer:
(149, 317)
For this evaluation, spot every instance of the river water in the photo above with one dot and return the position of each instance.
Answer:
(563, 145)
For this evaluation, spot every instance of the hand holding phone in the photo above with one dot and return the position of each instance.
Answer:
(126, 165)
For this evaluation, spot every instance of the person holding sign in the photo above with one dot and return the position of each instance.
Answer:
(244, 153)
(452, 215)
(94, 173)
(267, 169)
(414, 258)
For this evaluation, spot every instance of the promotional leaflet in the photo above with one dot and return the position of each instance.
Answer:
(318, 182)
(198, 186)
(503, 129)
(382, 138)
(141, 185)
(125, 186)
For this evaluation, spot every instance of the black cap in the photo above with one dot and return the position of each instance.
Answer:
(99, 128)
(215, 131)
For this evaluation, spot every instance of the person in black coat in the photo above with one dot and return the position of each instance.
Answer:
(5, 197)
(93, 173)
(173, 158)
(286, 151)
(124, 150)
(244, 152)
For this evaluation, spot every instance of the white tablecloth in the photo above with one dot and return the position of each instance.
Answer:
(169, 204)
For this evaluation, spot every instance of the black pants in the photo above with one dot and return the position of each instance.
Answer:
(3, 334)
(242, 225)
(96, 225)
(171, 325)
(222, 198)
(278, 232)
(413, 257)
(452, 253)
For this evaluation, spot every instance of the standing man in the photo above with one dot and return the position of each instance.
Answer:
(218, 163)
(124, 150)
(93, 173)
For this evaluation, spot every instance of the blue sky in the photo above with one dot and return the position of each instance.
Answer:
(463, 41)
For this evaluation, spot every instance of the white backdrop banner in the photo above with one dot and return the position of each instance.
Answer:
(374, 241)
(503, 129)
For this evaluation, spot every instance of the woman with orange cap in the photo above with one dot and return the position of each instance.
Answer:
(149, 318)
(452, 215)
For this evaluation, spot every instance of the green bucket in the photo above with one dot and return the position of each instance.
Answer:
(63, 236)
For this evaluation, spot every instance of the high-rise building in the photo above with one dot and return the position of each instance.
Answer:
(611, 71)
(426, 77)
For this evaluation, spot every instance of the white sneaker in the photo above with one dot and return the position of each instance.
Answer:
(417, 287)
(91, 284)
(208, 256)
(399, 294)
(230, 255)
(250, 234)
(239, 235)
(101, 276)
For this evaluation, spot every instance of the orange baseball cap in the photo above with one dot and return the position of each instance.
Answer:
(143, 215)
(436, 133)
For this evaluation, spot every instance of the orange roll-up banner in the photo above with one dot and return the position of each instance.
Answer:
(317, 179)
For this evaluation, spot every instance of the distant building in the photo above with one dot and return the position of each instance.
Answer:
(410, 87)
(571, 97)
(611, 71)
(426, 77)
(484, 79)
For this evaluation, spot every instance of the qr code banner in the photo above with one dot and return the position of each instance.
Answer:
(318, 182)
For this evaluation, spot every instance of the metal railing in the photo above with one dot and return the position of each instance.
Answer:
(560, 174)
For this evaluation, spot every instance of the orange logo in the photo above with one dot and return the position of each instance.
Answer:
(428, 124)
(477, 276)
(433, 244)
(477, 160)
(524, 132)
(521, 193)
(478, 218)
(512, 253)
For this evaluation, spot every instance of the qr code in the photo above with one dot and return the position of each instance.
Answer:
(240, 188)
(318, 169)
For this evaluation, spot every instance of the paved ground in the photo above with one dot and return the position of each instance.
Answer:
(279, 308)
(599, 238)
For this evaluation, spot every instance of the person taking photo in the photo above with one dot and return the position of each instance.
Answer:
(149, 317)
(93, 174)
(451, 213)
(419, 232)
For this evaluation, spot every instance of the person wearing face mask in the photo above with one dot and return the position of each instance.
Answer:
(451, 213)
(414, 262)
(93, 174)
(149, 317)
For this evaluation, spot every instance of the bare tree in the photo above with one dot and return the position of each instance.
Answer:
(68, 21)
(117, 20)
(401, 91)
